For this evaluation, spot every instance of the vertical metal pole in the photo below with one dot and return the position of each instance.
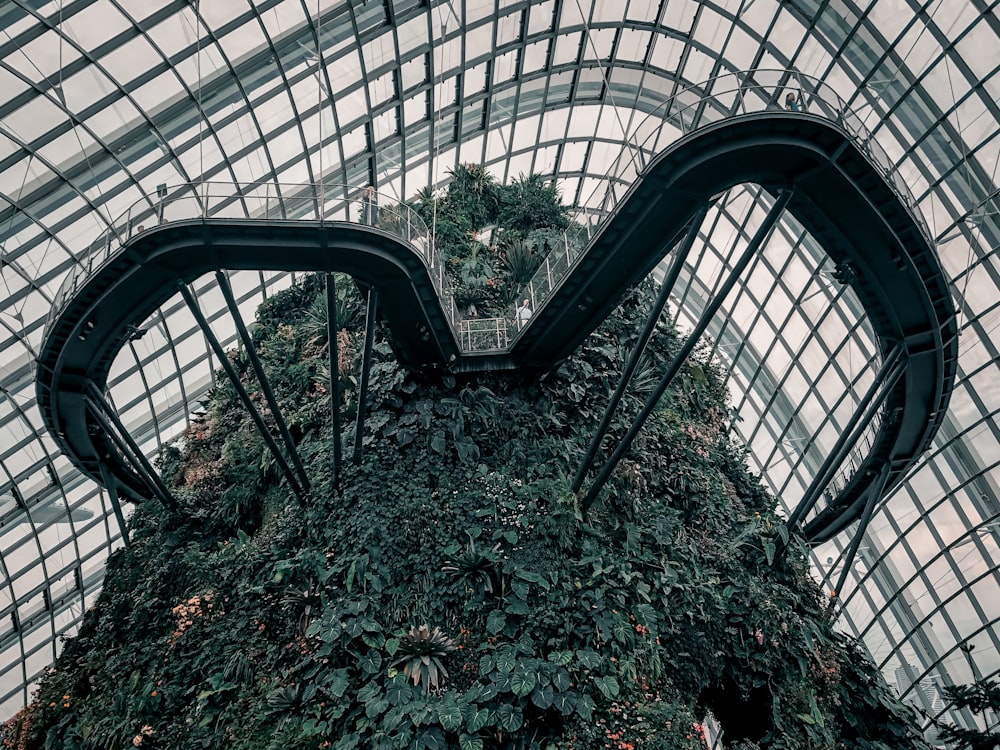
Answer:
(887, 374)
(676, 264)
(675, 365)
(874, 495)
(366, 366)
(265, 385)
(116, 505)
(331, 333)
(258, 420)
(108, 419)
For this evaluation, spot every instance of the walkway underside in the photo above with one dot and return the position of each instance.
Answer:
(838, 195)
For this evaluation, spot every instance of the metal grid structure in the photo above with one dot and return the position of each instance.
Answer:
(105, 100)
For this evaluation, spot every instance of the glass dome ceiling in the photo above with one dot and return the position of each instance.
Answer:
(104, 100)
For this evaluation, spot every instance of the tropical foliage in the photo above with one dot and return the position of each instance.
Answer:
(981, 697)
(492, 236)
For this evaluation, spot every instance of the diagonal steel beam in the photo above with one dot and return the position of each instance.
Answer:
(875, 493)
(116, 504)
(366, 366)
(666, 287)
(265, 385)
(258, 420)
(763, 231)
(108, 420)
(885, 379)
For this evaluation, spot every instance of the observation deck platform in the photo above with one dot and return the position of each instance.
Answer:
(861, 214)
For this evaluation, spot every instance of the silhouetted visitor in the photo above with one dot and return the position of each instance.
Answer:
(523, 314)
(369, 207)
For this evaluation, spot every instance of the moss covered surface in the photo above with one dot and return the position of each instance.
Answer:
(249, 621)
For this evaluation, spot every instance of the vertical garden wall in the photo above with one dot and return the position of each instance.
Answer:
(447, 592)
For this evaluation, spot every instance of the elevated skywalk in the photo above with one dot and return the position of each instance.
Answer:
(866, 222)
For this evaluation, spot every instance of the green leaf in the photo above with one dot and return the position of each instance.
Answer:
(543, 696)
(376, 707)
(608, 686)
(522, 683)
(338, 683)
(769, 550)
(506, 661)
(533, 577)
(565, 702)
(588, 658)
(370, 663)
(392, 646)
(487, 663)
(450, 716)
(468, 742)
(561, 680)
(585, 707)
(562, 658)
(509, 718)
(433, 739)
(478, 720)
(495, 622)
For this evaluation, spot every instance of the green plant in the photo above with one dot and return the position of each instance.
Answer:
(521, 261)
(981, 697)
(478, 570)
(421, 653)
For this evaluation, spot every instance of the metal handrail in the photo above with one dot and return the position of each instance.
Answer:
(694, 107)
(267, 201)
(685, 112)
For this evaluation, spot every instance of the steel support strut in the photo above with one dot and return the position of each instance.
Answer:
(366, 366)
(666, 287)
(885, 379)
(258, 420)
(265, 385)
(675, 365)
(116, 503)
(875, 493)
(107, 418)
(331, 333)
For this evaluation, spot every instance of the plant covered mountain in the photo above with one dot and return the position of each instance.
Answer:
(447, 592)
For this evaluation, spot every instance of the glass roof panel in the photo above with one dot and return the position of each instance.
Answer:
(105, 100)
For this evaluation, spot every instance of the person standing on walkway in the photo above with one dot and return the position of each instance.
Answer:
(369, 207)
(523, 314)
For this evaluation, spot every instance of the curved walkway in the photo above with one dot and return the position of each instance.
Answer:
(837, 193)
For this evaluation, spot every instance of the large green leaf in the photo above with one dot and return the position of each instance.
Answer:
(450, 716)
(522, 683)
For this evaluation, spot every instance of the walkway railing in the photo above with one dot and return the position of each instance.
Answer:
(690, 109)
(262, 201)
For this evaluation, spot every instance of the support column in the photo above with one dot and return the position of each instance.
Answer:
(366, 366)
(258, 420)
(331, 333)
(666, 287)
(875, 493)
(886, 377)
(108, 420)
(675, 365)
(265, 385)
(116, 505)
